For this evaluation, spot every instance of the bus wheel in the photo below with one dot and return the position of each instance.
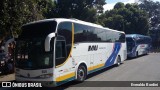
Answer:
(118, 61)
(81, 73)
(137, 54)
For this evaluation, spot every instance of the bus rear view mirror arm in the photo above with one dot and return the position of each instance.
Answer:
(47, 41)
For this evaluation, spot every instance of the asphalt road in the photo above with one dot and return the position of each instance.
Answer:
(143, 68)
(9, 77)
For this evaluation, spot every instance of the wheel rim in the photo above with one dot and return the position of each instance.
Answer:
(81, 74)
(118, 61)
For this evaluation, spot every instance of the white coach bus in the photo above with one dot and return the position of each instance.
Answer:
(60, 50)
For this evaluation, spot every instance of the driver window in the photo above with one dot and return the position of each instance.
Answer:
(60, 52)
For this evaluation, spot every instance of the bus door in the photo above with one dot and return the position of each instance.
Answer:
(62, 67)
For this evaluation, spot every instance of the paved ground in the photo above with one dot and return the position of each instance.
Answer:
(144, 68)
(9, 77)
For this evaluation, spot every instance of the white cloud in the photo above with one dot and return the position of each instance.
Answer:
(129, 1)
(110, 6)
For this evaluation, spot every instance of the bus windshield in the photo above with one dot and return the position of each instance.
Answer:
(130, 44)
(30, 54)
(30, 50)
(39, 29)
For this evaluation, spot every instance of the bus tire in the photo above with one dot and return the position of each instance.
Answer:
(81, 73)
(137, 54)
(118, 60)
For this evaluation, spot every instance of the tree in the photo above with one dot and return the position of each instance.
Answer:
(81, 9)
(4, 18)
(153, 9)
(128, 18)
(15, 13)
(115, 22)
(99, 5)
(119, 5)
(47, 7)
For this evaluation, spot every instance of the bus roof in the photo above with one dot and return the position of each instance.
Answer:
(58, 20)
(136, 35)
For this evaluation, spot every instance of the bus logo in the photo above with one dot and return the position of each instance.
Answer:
(93, 48)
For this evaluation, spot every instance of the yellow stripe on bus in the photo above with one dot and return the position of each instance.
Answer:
(67, 76)
(64, 77)
(95, 67)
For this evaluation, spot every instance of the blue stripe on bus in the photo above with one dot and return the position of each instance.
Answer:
(111, 59)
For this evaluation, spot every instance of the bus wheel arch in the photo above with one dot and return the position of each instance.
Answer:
(81, 72)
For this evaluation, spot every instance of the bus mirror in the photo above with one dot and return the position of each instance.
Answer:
(47, 41)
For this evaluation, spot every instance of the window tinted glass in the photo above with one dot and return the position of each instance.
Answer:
(65, 30)
(84, 33)
(40, 29)
(100, 35)
(60, 49)
(65, 34)
(122, 37)
(60, 52)
(81, 32)
(128, 39)
(30, 54)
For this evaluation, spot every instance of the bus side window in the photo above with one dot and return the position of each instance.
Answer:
(60, 52)
(65, 31)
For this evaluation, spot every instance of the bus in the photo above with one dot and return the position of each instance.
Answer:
(59, 50)
(137, 44)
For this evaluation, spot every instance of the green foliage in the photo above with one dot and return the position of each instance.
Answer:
(153, 9)
(15, 13)
(115, 22)
(128, 18)
(4, 18)
(99, 5)
(80, 9)
(119, 5)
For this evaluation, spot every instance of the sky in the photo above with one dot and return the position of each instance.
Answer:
(110, 3)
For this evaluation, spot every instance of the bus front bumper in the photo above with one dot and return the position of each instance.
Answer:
(44, 82)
